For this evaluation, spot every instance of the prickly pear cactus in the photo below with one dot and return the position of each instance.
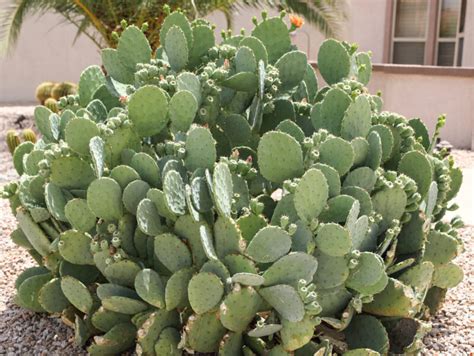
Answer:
(212, 198)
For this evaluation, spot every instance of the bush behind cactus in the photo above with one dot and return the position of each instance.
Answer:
(212, 198)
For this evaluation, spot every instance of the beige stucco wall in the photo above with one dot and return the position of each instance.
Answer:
(428, 96)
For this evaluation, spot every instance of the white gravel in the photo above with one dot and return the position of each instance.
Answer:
(26, 333)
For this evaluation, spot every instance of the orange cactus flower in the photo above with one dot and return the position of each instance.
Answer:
(296, 21)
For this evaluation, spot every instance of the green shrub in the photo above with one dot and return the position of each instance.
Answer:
(212, 198)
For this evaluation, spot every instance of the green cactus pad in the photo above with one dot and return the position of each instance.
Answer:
(204, 332)
(200, 149)
(35, 235)
(337, 209)
(332, 271)
(387, 140)
(290, 269)
(175, 193)
(118, 339)
(264, 330)
(123, 175)
(250, 224)
(150, 287)
(361, 149)
(243, 82)
(176, 291)
(418, 276)
(296, 334)
(368, 272)
(153, 325)
(441, 248)
(364, 67)
(146, 167)
(374, 155)
(122, 272)
(231, 344)
(333, 61)
(124, 305)
(133, 47)
(362, 177)
(292, 69)
(148, 219)
(456, 181)
(412, 236)
(71, 173)
(245, 60)
(333, 300)
(239, 264)
(285, 300)
(104, 198)
(362, 196)
(257, 47)
(275, 37)
(333, 240)
(189, 81)
(167, 343)
(29, 289)
(390, 203)
(85, 273)
(330, 113)
(311, 194)
(133, 194)
(105, 320)
(417, 166)
(332, 178)
(77, 294)
(366, 331)
(172, 252)
(447, 276)
(20, 151)
(79, 132)
(421, 132)
(279, 157)
(237, 129)
(337, 153)
(158, 198)
(291, 129)
(219, 269)
(55, 201)
(79, 215)
(177, 19)
(74, 247)
(182, 110)
(357, 119)
(269, 244)
(204, 39)
(189, 229)
(227, 237)
(396, 300)
(148, 110)
(43, 123)
(239, 308)
(248, 279)
(223, 190)
(176, 48)
(205, 235)
(52, 298)
(91, 79)
(97, 152)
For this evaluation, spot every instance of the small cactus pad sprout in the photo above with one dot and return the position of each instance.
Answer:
(210, 198)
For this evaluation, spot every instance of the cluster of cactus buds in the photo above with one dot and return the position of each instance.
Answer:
(214, 198)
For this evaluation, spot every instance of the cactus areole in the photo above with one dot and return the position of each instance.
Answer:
(212, 198)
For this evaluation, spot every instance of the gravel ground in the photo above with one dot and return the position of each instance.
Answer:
(23, 332)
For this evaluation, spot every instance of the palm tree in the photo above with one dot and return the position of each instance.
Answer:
(99, 19)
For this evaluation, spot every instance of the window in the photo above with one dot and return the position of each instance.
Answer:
(428, 32)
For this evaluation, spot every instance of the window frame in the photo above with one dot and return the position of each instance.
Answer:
(431, 38)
